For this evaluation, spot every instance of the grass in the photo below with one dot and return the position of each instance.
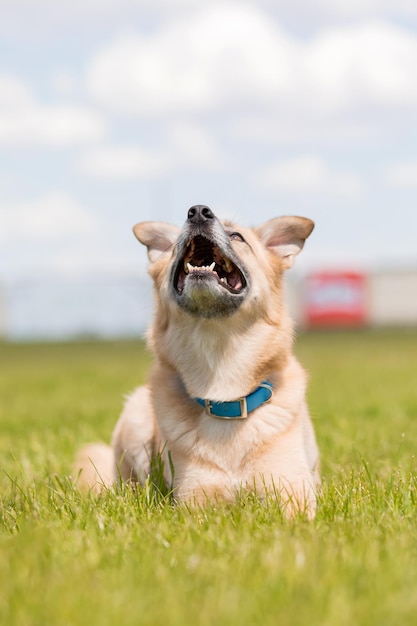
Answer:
(135, 559)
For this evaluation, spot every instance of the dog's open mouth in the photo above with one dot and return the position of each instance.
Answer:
(203, 259)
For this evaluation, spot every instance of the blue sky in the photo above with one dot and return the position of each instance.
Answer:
(113, 112)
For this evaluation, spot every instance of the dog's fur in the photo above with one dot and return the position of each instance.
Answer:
(217, 341)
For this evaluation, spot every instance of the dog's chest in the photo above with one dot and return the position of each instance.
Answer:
(229, 449)
(217, 362)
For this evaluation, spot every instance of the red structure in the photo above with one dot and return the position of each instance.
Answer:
(336, 299)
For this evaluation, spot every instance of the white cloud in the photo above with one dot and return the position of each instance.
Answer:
(373, 63)
(225, 53)
(194, 146)
(232, 57)
(49, 217)
(185, 145)
(358, 8)
(402, 175)
(288, 130)
(13, 93)
(25, 122)
(309, 175)
(54, 17)
(121, 163)
(65, 82)
(56, 235)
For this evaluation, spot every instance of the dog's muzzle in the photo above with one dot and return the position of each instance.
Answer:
(205, 257)
(202, 259)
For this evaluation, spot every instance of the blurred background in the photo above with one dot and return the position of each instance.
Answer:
(114, 112)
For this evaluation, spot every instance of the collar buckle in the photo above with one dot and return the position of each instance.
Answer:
(208, 404)
(243, 408)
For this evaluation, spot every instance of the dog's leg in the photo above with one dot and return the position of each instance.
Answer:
(95, 467)
(297, 497)
(206, 492)
(135, 439)
(310, 446)
(286, 469)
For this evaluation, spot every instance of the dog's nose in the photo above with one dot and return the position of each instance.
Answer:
(199, 214)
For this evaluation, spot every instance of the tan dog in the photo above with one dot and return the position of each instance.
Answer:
(226, 397)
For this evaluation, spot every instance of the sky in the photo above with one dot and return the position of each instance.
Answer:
(118, 111)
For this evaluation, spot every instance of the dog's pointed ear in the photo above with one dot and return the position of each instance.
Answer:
(158, 237)
(285, 236)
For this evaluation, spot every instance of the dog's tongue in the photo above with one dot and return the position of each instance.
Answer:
(234, 281)
(181, 281)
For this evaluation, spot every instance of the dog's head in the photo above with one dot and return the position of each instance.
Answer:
(210, 268)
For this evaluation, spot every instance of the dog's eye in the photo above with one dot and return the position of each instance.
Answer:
(236, 237)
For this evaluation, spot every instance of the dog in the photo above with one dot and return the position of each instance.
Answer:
(225, 404)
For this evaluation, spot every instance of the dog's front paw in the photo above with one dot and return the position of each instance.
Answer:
(298, 500)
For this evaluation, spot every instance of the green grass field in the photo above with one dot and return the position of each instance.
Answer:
(135, 559)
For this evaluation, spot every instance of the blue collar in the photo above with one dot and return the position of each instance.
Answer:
(238, 409)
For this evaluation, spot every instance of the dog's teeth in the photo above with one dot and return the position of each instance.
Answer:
(223, 280)
(228, 266)
(202, 268)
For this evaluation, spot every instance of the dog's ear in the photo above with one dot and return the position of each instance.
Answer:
(158, 237)
(285, 236)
